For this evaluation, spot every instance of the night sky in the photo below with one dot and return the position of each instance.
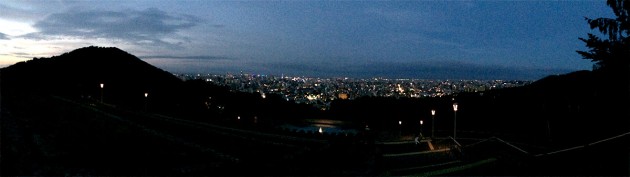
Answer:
(396, 39)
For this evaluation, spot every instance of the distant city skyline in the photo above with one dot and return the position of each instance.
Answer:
(320, 92)
(509, 40)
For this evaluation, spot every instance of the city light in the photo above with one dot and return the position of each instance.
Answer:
(320, 92)
(399, 122)
(312, 97)
(146, 94)
(320, 130)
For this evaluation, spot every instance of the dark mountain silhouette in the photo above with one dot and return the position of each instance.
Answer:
(79, 73)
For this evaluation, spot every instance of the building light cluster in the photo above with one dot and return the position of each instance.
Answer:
(321, 91)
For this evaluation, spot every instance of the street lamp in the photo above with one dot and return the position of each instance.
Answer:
(399, 128)
(421, 122)
(432, 122)
(102, 85)
(146, 100)
(454, 120)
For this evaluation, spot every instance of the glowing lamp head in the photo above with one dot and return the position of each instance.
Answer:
(320, 130)
(421, 122)
(433, 112)
(399, 122)
(102, 85)
(454, 106)
(146, 94)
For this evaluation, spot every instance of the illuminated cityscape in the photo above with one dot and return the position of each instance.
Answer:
(315, 88)
(321, 91)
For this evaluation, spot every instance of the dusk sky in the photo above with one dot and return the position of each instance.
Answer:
(396, 39)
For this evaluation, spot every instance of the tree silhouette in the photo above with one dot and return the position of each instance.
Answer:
(611, 54)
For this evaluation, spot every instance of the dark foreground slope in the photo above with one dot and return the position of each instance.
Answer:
(580, 121)
(572, 108)
(66, 137)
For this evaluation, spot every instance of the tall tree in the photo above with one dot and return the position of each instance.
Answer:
(612, 54)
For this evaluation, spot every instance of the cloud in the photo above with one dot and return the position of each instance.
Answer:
(13, 12)
(200, 57)
(20, 54)
(147, 27)
(3, 36)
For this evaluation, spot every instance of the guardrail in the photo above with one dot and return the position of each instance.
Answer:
(583, 146)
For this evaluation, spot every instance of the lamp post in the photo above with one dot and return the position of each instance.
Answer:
(421, 122)
(432, 122)
(146, 100)
(102, 85)
(454, 120)
(399, 128)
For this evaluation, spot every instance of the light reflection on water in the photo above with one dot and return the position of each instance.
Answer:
(328, 126)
